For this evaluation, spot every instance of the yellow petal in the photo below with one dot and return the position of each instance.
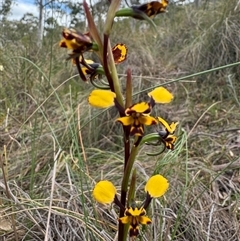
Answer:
(165, 3)
(161, 95)
(126, 120)
(142, 107)
(171, 138)
(170, 128)
(173, 126)
(169, 141)
(124, 220)
(79, 38)
(156, 186)
(101, 98)
(70, 44)
(104, 192)
(135, 212)
(144, 220)
(85, 70)
(147, 120)
(165, 124)
(89, 61)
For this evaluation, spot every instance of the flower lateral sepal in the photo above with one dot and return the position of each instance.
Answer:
(102, 98)
(104, 192)
(161, 95)
(156, 186)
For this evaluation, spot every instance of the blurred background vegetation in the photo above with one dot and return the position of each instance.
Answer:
(54, 147)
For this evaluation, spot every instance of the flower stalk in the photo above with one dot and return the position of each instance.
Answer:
(134, 117)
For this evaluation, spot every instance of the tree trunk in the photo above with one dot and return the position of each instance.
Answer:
(40, 24)
(197, 3)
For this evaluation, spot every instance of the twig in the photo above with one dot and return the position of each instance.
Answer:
(210, 222)
(52, 190)
(22, 207)
(228, 130)
(221, 167)
(5, 178)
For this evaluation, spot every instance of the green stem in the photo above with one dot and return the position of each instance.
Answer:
(124, 188)
(128, 101)
(114, 75)
(110, 16)
(132, 188)
(127, 172)
(126, 146)
(105, 63)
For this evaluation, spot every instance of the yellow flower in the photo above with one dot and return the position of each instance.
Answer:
(135, 216)
(88, 69)
(104, 192)
(166, 136)
(170, 141)
(155, 187)
(151, 9)
(137, 116)
(76, 41)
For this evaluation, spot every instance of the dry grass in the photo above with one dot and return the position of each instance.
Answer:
(50, 175)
